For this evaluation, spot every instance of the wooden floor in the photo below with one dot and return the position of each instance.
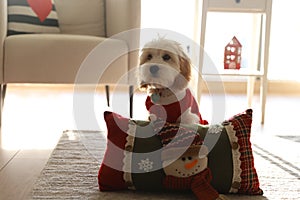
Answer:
(35, 117)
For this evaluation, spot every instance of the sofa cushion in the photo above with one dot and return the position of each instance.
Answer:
(31, 16)
(81, 17)
(62, 57)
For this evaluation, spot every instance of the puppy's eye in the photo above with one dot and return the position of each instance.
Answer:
(166, 57)
(149, 57)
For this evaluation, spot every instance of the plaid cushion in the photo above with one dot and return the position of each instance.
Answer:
(249, 180)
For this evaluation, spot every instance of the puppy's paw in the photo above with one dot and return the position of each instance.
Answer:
(152, 117)
(222, 197)
(188, 117)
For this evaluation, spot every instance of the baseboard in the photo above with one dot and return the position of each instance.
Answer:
(240, 87)
(274, 87)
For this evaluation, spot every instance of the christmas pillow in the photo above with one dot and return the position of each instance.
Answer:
(137, 153)
(32, 16)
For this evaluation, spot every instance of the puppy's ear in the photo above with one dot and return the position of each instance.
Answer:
(184, 77)
(185, 67)
(143, 86)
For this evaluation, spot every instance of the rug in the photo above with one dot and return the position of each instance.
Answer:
(71, 172)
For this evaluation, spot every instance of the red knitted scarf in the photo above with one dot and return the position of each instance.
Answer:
(199, 184)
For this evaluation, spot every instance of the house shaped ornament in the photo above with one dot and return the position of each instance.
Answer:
(232, 54)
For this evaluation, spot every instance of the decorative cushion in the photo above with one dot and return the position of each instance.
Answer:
(245, 180)
(133, 155)
(32, 16)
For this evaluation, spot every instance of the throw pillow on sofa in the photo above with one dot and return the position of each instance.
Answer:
(32, 16)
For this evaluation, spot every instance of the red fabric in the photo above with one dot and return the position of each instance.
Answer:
(42, 8)
(199, 184)
(172, 112)
(176, 136)
(110, 179)
(242, 125)
(202, 188)
(110, 176)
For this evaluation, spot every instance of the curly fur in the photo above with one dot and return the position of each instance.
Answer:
(174, 73)
(165, 71)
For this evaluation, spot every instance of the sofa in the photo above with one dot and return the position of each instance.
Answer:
(56, 58)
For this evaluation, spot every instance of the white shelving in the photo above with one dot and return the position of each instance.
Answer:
(263, 7)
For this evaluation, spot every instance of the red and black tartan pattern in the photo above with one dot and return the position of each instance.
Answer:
(175, 136)
(242, 125)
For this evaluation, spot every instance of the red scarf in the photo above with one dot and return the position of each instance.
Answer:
(199, 184)
(174, 110)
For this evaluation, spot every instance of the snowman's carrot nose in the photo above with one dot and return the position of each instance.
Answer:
(191, 164)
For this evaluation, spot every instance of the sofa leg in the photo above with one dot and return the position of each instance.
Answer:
(130, 98)
(107, 94)
(3, 93)
(2, 96)
(131, 101)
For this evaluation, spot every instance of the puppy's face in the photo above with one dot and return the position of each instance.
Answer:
(163, 64)
(159, 68)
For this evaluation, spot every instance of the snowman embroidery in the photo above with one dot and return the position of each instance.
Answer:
(188, 171)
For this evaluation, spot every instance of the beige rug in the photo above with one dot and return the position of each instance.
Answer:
(71, 172)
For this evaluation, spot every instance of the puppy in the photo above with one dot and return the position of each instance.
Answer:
(165, 71)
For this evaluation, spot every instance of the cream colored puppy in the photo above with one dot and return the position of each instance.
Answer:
(165, 71)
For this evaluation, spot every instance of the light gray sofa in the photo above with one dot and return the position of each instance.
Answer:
(56, 58)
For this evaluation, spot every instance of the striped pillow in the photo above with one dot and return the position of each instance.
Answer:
(32, 16)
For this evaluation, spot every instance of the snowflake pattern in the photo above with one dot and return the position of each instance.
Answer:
(145, 165)
(215, 129)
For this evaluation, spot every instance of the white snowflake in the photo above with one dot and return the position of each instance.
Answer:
(146, 165)
(215, 129)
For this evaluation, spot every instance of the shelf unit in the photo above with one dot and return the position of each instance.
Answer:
(263, 7)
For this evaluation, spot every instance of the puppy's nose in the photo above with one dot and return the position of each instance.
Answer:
(154, 69)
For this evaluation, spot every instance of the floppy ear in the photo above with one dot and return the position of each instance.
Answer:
(143, 86)
(184, 77)
(185, 67)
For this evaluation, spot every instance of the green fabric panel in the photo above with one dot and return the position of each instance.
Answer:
(147, 146)
(219, 157)
(220, 163)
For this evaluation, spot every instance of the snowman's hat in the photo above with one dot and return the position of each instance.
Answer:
(184, 143)
(175, 153)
